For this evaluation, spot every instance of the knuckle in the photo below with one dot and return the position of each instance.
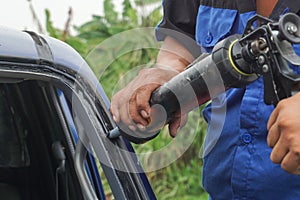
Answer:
(284, 122)
(290, 139)
(282, 103)
(142, 106)
(284, 166)
(274, 159)
(296, 154)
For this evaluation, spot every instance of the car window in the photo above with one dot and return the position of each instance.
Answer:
(13, 144)
(34, 135)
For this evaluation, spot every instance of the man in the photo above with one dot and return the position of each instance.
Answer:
(238, 166)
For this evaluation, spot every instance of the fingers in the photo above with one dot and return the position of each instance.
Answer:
(128, 114)
(141, 105)
(291, 162)
(273, 118)
(279, 151)
(176, 123)
(284, 152)
(142, 101)
(135, 112)
(284, 134)
(114, 109)
(132, 108)
(273, 135)
(174, 126)
(273, 126)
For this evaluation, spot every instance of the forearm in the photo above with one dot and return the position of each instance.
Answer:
(173, 55)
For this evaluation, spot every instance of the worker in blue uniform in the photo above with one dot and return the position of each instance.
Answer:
(256, 153)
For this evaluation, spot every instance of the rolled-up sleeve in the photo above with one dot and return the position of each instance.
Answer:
(179, 22)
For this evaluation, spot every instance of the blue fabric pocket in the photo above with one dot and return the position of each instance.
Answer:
(213, 25)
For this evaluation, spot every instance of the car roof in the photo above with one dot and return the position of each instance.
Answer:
(20, 44)
(30, 47)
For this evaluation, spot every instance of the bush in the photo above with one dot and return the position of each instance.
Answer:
(182, 178)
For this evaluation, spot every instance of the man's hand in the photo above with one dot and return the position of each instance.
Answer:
(284, 134)
(131, 105)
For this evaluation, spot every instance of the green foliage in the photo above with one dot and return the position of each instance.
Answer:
(76, 42)
(109, 12)
(129, 13)
(182, 178)
(143, 2)
(49, 26)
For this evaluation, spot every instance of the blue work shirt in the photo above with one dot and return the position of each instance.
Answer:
(237, 161)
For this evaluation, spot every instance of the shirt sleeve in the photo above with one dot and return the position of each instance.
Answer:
(179, 22)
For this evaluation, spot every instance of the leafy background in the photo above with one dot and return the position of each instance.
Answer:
(182, 178)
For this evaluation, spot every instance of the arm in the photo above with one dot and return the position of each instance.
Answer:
(130, 106)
